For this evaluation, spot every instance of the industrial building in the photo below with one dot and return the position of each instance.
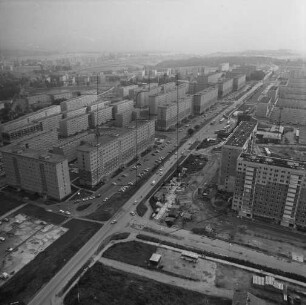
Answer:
(204, 99)
(167, 114)
(271, 188)
(239, 141)
(115, 148)
(35, 171)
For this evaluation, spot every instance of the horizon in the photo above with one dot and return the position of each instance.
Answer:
(170, 26)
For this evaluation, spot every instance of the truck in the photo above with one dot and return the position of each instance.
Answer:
(153, 182)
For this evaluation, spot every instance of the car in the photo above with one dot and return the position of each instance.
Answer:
(9, 249)
(67, 213)
(130, 183)
(5, 219)
(99, 195)
(114, 183)
(62, 211)
(132, 213)
(113, 221)
(135, 202)
(49, 210)
(2, 238)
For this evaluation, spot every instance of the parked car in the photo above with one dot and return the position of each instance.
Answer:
(113, 221)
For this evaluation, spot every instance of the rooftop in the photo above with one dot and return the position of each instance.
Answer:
(33, 154)
(241, 133)
(286, 163)
(211, 88)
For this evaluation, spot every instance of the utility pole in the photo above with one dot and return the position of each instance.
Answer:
(177, 127)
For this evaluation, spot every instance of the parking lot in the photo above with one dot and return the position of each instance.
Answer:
(22, 239)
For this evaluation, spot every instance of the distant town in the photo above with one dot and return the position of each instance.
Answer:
(134, 177)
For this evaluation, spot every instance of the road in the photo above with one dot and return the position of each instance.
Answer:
(47, 295)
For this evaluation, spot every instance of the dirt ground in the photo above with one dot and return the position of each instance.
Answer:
(219, 222)
(202, 270)
(27, 237)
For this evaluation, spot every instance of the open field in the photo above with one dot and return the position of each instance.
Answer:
(106, 286)
(133, 253)
(24, 284)
(8, 204)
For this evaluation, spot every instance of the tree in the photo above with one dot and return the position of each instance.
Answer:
(190, 131)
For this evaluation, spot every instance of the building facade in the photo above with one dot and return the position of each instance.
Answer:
(73, 125)
(225, 87)
(115, 148)
(204, 99)
(239, 141)
(31, 170)
(272, 189)
(168, 115)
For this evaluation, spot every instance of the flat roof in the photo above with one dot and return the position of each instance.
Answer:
(210, 88)
(241, 133)
(33, 154)
(286, 163)
(155, 257)
(109, 134)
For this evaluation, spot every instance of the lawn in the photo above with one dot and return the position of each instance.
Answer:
(132, 252)
(8, 204)
(103, 285)
(42, 214)
(24, 284)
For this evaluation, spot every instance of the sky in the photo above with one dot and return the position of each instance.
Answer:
(181, 26)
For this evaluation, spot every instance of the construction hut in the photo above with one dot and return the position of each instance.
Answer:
(155, 259)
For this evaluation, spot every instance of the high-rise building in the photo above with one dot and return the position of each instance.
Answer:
(73, 125)
(239, 141)
(122, 106)
(204, 99)
(271, 188)
(115, 148)
(39, 172)
(225, 86)
(78, 102)
(167, 113)
(263, 107)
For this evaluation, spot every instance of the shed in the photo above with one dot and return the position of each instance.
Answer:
(155, 259)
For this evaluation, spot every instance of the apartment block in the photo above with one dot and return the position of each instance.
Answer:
(67, 147)
(204, 99)
(115, 148)
(29, 118)
(239, 81)
(71, 126)
(122, 106)
(212, 78)
(142, 98)
(239, 141)
(76, 112)
(169, 114)
(224, 67)
(263, 107)
(100, 117)
(62, 95)
(44, 140)
(98, 105)
(167, 97)
(51, 122)
(124, 91)
(273, 94)
(78, 102)
(272, 189)
(225, 86)
(23, 132)
(38, 172)
(123, 119)
(40, 99)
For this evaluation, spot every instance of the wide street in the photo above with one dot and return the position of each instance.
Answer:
(47, 295)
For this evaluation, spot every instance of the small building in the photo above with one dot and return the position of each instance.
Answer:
(155, 259)
(189, 256)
